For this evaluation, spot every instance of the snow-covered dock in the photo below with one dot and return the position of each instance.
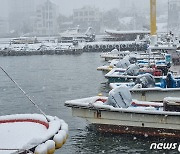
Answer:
(39, 49)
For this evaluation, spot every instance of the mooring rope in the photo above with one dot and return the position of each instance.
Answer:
(25, 94)
(18, 150)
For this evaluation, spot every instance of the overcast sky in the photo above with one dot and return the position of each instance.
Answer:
(66, 6)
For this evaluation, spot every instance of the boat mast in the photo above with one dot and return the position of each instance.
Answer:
(153, 33)
(153, 17)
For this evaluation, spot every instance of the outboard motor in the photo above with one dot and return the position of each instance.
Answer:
(133, 69)
(132, 60)
(124, 63)
(146, 80)
(119, 97)
(170, 82)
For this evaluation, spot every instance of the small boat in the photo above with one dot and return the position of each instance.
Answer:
(132, 70)
(74, 36)
(114, 54)
(145, 88)
(133, 58)
(170, 48)
(118, 113)
(25, 133)
(24, 40)
(161, 61)
(107, 68)
(121, 75)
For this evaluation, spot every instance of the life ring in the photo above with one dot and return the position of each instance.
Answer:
(110, 46)
(123, 46)
(132, 60)
(97, 46)
(117, 46)
(90, 47)
(130, 46)
(104, 47)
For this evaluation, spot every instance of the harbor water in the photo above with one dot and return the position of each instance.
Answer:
(50, 80)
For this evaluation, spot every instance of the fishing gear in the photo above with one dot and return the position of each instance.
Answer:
(25, 94)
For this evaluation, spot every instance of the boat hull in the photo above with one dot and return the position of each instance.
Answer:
(148, 124)
(104, 128)
(126, 79)
(154, 95)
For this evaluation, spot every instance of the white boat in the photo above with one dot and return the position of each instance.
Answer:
(145, 88)
(24, 40)
(74, 35)
(120, 114)
(121, 75)
(166, 48)
(114, 54)
(31, 133)
(157, 61)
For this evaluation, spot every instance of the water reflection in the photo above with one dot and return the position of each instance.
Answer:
(90, 141)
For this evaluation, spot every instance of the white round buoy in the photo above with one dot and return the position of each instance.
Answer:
(64, 134)
(59, 140)
(41, 149)
(64, 127)
(50, 146)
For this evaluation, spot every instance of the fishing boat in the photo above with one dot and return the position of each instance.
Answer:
(128, 69)
(118, 113)
(74, 35)
(31, 133)
(25, 133)
(141, 59)
(24, 40)
(131, 74)
(114, 54)
(166, 48)
(145, 88)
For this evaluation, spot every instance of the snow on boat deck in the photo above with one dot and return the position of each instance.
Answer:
(17, 135)
(18, 132)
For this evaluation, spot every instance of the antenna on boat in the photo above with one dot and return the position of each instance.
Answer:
(25, 94)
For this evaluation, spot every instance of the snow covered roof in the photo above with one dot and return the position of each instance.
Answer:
(126, 32)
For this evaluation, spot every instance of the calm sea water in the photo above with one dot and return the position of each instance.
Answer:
(50, 81)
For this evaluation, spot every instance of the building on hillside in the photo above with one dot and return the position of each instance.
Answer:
(87, 17)
(46, 19)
